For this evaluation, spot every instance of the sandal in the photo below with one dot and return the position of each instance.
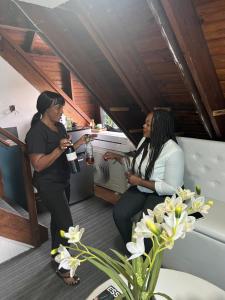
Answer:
(67, 279)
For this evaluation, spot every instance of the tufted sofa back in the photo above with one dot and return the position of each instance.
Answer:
(204, 166)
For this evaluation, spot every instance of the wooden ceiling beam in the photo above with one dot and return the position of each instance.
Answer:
(23, 64)
(28, 41)
(44, 57)
(11, 17)
(168, 34)
(187, 29)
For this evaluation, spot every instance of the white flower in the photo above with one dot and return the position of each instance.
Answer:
(148, 220)
(174, 228)
(70, 263)
(66, 261)
(150, 214)
(174, 204)
(189, 224)
(74, 234)
(63, 254)
(198, 204)
(141, 231)
(185, 194)
(159, 211)
(136, 248)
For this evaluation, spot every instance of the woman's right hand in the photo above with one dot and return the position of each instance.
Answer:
(64, 143)
(110, 155)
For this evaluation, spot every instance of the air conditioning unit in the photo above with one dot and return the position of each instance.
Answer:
(111, 174)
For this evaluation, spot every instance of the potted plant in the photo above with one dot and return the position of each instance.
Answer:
(137, 275)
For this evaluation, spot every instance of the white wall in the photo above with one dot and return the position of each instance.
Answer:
(16, 90)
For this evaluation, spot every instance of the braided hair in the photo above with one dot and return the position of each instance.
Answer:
(44, 101)
(162, 130)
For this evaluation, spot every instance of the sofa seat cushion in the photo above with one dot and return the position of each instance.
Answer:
(214, 224)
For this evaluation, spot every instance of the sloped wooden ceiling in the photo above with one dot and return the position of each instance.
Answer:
(26, 51)
(133, 55)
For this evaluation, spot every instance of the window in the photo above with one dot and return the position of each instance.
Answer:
(107, 121)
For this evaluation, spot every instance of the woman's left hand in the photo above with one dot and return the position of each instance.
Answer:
(82, 140)
(133, 179)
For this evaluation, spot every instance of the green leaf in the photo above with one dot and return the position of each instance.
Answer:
(115, 277)
(145, 265)
(121, 257)
(120, 297)
(155, 272)
(119, 267)
(163, 295)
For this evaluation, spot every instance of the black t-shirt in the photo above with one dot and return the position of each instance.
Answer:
(40, 139)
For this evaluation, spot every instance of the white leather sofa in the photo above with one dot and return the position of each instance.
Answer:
(202, 252)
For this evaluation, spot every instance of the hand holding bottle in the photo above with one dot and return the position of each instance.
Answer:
(72, 160)
(64, 143)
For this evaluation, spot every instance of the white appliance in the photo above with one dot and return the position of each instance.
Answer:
(110, 174)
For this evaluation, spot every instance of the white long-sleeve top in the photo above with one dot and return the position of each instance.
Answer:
(168, 169)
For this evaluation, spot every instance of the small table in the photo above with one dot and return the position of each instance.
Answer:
(178, 285)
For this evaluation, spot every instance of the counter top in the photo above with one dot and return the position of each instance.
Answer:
(78, 128)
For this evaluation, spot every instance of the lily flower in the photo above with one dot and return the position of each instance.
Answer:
(155, 228)
(159, 212)
(185, 194)
(71, 264)
(173, 229)
(174, 203)
(74, 234)
(136, 248)
(141, 231)
(66, 261)
(189, 224)
(148, 220)
(199, 204)
(62, 254)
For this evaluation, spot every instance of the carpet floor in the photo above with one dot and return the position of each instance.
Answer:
(30, 275)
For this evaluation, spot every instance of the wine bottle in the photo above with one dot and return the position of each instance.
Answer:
(72, 159)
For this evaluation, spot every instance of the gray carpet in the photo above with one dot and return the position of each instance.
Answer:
(30, 275)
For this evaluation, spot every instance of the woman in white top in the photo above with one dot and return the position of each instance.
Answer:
(157, 170)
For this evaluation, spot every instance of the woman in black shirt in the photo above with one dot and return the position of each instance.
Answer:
(47, 141)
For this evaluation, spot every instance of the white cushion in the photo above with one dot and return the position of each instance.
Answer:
(214, 224)
(204, 166)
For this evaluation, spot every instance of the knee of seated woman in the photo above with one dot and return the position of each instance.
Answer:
(121, 214)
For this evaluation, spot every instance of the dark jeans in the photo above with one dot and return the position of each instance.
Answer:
(57, 203)
(130, 203)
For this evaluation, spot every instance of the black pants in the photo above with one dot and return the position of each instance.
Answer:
(130, 203)
(57, 203)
